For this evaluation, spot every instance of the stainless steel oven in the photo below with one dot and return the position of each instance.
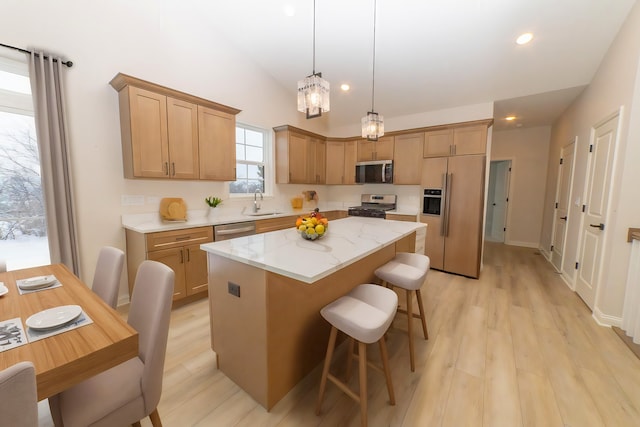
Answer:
(432, 201)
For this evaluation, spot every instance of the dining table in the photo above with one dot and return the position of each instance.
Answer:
(67, 358)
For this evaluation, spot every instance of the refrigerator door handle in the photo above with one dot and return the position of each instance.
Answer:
(447, 204)
(443, 205)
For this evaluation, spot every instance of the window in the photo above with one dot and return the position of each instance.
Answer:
(23, 230)
(251, 149)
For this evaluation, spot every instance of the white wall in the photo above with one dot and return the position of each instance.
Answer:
(528, 149)
(615, 85)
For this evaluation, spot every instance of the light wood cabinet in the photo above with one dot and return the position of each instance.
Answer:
(217, 136)
(455, 141)
(382, 149)
(407, 163)
(167, 134)
(178, 249)
(341, 161)
(300, 156)
(273, 224)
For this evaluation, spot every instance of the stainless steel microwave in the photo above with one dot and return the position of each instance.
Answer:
(377, 172)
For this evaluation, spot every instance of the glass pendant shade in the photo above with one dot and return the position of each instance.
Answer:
(313, 95)
(372, 126)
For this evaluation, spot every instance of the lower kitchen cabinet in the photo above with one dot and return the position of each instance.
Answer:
(178, 249)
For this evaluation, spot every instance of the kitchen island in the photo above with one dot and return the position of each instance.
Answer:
(266, 292)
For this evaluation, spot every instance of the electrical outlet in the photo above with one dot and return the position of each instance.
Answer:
(234, 289)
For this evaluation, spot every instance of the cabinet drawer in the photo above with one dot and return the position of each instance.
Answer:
(177, 238)
(272, 224)
(401, 217)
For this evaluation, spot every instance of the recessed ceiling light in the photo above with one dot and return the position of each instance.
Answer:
(510, 118)
(345, 87)
(524, 38)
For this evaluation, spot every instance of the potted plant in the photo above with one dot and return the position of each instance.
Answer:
(213, 202)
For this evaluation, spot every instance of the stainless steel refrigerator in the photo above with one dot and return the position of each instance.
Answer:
(454, 233)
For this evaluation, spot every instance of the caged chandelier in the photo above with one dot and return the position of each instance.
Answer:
(373, 123)
(313, 90)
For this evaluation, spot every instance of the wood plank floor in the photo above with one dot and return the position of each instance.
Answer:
(515, 348)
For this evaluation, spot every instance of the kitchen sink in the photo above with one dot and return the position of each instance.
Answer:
(262, 213)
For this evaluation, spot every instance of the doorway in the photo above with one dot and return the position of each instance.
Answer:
(604, 139)
(497, 201)
(562, 207)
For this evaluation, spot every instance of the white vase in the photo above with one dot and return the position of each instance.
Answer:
(213, 212)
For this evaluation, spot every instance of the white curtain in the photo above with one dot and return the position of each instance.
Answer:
(631, 310)
(53, 145)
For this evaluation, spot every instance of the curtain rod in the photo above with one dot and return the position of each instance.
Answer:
(67, 63)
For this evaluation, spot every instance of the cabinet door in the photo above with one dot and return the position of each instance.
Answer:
(407, 162)
(182, 125)
(335, 162)
(196, 275)
(437, 143)
(384, 148)
(469, 140)
(298, 158)
(217, 144)
(149, 141)
(320, 161)
(174, 258)
(366, 150)
(434, 173)
(350, 155)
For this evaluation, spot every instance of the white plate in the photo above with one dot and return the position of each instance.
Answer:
(37, 282)
(3, 290)
(54, 317)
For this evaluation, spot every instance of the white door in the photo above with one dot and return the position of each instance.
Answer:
(594, 224)
(565, 175)
(498, 200)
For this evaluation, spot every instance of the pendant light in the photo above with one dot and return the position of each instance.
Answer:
(313, 90)
(373, 123)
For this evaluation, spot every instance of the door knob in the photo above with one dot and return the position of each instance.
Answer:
(494, 204)
(563, 217)
(600, 226)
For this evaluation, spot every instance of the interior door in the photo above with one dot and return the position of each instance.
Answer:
(499, 177)
(563, 190)
(595, 210)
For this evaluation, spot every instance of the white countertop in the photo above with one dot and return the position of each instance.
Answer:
(285, 252)
(151, 222)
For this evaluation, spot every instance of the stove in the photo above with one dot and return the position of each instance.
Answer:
(374, 205)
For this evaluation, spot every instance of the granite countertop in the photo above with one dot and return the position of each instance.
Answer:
(285, 252)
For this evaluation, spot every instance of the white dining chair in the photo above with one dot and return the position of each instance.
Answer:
(19, 396)
(3, 265)
(129, 392)
(106, 278)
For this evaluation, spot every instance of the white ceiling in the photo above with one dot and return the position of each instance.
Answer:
(430, 54)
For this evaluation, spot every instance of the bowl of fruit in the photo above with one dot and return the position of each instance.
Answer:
(312, 226)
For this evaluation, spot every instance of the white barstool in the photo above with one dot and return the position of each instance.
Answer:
(364, 314)
(408, 271)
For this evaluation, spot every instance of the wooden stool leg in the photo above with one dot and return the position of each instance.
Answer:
(155, 418)
(349, 358)
(422, 315)
(410, 327)
(387, 371)
(327, 362)
(362, 358)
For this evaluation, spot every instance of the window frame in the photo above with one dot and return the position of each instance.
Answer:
(267, 162)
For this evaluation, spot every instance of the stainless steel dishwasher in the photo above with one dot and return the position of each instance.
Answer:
(229, 231)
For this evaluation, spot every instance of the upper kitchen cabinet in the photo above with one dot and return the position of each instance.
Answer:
(459, 140)
(300, 156)
(407, 158)
(341, 161)
(217, 136)
(169, 134)
(382, 149)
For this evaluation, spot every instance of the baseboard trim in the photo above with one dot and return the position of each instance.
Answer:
(522, 244)
(605, 319)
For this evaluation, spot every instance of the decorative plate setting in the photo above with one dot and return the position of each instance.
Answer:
(55, 317)
(36, 282)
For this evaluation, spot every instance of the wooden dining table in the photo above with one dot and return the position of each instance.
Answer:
(64, 360)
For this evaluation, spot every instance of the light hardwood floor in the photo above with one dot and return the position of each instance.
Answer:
(515, 348)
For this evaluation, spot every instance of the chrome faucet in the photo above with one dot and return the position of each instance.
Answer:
(256, 205)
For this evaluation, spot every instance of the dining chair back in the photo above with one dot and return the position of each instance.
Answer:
(3, 265)
(19, 396)
(131, 391)
(106, 279)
